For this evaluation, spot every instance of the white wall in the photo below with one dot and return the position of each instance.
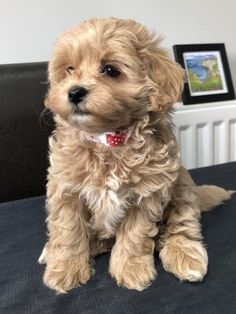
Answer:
(29, 28)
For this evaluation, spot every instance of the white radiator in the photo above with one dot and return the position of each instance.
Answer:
(206, 133)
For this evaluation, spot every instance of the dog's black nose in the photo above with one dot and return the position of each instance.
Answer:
(77, 94)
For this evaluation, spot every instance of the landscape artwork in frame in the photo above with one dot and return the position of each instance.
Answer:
(207, 73)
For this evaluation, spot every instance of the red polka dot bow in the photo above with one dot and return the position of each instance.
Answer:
(116, 138)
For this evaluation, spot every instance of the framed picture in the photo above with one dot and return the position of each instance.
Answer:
(208, 77)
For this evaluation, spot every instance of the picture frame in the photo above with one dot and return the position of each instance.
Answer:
(208, 77)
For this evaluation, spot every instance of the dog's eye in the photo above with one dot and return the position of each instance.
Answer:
(70, 69)
(111, 71)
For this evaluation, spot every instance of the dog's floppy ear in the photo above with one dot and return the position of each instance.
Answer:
(165, 78)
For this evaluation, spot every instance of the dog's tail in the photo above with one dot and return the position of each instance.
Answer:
(211, 196)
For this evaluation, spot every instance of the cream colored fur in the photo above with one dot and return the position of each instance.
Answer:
(131, 198)
(211, 196)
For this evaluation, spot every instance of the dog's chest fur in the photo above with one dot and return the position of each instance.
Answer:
(112, 182)
(119, 184)
(108, 195)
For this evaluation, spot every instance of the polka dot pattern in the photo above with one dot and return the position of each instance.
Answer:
(115, 139)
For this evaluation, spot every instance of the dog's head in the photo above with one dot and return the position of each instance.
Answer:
(108, 73)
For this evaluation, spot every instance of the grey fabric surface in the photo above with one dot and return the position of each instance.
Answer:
(22, 234)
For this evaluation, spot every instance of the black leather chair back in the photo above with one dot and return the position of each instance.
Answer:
(23, 134)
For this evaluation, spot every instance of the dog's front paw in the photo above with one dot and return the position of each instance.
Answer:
(185, 258)
(65, 275)
(134, 272)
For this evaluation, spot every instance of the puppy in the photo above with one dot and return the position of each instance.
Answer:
(115, 180)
